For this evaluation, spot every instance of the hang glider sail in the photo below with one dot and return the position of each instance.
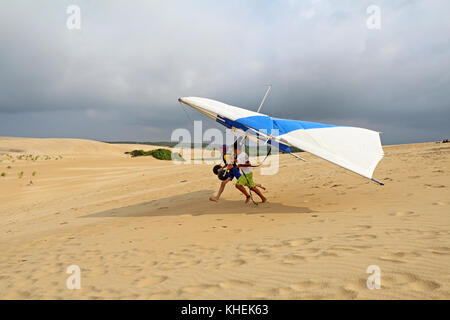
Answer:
(356, 149)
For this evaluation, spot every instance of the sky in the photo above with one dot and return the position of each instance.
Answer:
(119, 76)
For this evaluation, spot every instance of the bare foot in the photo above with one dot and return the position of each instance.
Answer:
(263, 200)
(214, 199)
(248, 199)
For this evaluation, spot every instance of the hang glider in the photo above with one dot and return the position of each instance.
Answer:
(355, 149)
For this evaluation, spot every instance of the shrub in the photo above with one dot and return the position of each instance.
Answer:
(137, 153)
(3, 174)
(161, 154)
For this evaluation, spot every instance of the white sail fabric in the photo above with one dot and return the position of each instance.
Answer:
(212, 108)
(355, 149)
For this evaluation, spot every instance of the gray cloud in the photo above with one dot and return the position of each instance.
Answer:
(119, 77)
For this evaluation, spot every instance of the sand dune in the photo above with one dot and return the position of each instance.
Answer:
(55, 146)
(141, 228)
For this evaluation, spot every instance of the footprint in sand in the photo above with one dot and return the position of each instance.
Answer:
(362, 237)
(335, 185)
(235, 284)
(343, 250)
(399, 256)
(440, 251)
(163, 295)
(232, 263)
(344, 293)
(301, 289)
(433, 234)
(255, 251)
(311, 254)
(263, 294)
(293, 259)
(308, 285)
(438, 186)
(299, 242)
(326, 254)
(361, 227)
(200, 288)
(407, 281)
(308, 251)
(405, 214)
(150, 281)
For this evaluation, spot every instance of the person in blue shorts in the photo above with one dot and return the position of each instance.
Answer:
(233, 172)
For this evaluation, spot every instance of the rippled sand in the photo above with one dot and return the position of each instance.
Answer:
(144, 229)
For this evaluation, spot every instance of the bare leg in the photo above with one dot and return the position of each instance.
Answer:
(221, 188)
(256, 190)
(242, 189)
(260, 186)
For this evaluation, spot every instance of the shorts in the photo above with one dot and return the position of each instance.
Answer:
(234, 173)
(246, 180)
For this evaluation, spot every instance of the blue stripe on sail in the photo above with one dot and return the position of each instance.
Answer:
(284, 126)
(269, 124)
(258, 123)
(281, 146)
(255, 122)
(230, 123)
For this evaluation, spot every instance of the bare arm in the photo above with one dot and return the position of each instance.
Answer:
(247, 164)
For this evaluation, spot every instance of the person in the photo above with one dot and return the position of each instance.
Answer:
(246, 179)
(232, 173)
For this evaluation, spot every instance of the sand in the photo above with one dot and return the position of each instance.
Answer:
(141, 228)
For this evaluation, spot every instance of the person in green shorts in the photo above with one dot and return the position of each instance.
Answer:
(246, 179)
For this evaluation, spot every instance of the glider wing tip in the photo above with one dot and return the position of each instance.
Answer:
(381, 183)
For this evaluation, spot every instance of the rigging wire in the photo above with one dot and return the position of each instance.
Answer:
(182, 107)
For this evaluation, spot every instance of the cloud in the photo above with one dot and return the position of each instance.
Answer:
(131, 61)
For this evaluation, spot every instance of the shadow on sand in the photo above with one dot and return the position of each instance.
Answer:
(195, 204)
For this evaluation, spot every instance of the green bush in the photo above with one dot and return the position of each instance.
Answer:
(3, 174)
(161, 154)
(137, 153)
